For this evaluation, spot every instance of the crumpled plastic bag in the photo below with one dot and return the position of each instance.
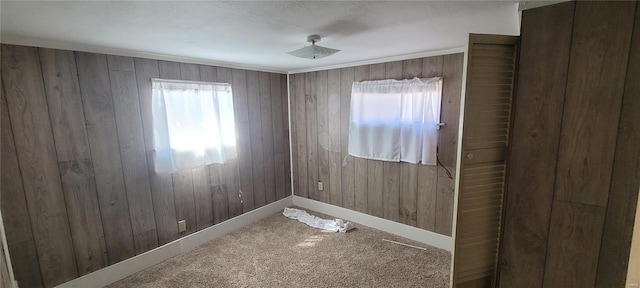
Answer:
(336, 225)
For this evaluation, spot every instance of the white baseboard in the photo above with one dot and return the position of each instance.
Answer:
(120, 270)
(406, 231)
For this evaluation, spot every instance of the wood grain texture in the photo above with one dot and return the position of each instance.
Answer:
(267, 137)
(287, 131)
(34, 142)
(83, 191)
(200, 175)
(301, 135)
(15, 214)
(182, 180)
(574, 241)
(83, 209)
(377, 181)
(255, 127)
(428, 180)
(584, 176)
(391, 191)
(546, 34)
(243, 136)
(132, 150)
(363, 181)
(72, 148)
(24, 260)
(278, 136)
(322, 122)
(65, 104)
(347, 162)
(409, 172)
(105, 154)
(333, 118)
(448, 141)
(311, 97)
(161, 184)
(201, 187)
(366, 200)
(625, 183)
(229, 171)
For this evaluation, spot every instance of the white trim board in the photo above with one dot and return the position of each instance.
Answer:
(120, 270)
(406, 231)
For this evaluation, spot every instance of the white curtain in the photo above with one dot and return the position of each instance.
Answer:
(193, 124)
(395, 120)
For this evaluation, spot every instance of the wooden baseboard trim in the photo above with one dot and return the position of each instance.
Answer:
(120, 270)
(406, 231)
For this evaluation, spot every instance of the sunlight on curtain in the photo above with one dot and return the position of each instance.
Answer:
(396, 120)
(193, 124)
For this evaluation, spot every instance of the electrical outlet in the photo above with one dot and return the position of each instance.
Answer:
(634, 285)
(320, 186)
(182, 225)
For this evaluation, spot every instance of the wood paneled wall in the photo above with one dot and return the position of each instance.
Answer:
(79, 191)
(415, 195)
(575, 167)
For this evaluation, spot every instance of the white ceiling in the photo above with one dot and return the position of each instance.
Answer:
(255, 34)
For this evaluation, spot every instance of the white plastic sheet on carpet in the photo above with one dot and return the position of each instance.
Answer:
(336, 225)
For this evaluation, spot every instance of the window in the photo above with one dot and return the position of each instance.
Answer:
(193, 124)
(395, 120)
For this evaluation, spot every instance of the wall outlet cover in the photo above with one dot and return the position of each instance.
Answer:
(320, 186)
(182, 225)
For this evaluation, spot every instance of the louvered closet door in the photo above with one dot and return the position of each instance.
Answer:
(490, 78)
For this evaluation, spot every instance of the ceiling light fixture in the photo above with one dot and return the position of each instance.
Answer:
(313, 51)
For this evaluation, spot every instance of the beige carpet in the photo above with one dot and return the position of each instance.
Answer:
(280, 252)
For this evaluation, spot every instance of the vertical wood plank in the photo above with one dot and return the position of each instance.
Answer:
(409, 172)
(182, 180)
(255, 127)
(245, 172)
(428, 175)
(322, 122)
(97, 101)
(202, 186)
(72, 148)
(335, 159)
(367, 200)
(284, 94)
(229, 171)
(613, 262)
(546, 34)
(202, 196)
(301, 135)
(278, 135)
(267, 137)
(65, 104)
(15, 214)
(27, 105)
(575, 233)
(161, 184)
(452, 66)
(375, 169)
(120, 63)
(132, 151)
(347, 162)
(391, 192)
(312, 133)
(408, 193)
(584, 176)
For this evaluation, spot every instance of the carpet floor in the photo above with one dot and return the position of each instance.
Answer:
(280, 252)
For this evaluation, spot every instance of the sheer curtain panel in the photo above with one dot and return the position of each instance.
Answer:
(193, 124)
(395, 120)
